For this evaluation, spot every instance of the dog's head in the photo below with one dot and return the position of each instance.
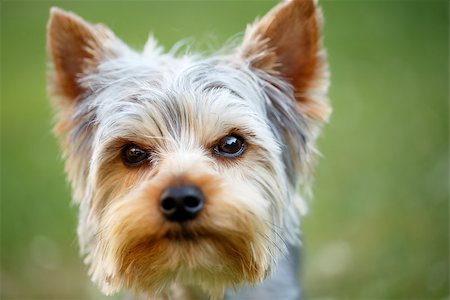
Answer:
(186, 169)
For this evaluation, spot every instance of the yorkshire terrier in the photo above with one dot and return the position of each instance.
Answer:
(191, 172)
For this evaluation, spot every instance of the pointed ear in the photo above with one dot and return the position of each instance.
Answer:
(286, 42)
(75, 47)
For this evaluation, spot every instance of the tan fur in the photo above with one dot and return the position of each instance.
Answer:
(149, 252)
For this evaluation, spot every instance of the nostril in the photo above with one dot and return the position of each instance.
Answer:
(168, 204)
(192, 202)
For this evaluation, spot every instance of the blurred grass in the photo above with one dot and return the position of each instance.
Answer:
(378, 226)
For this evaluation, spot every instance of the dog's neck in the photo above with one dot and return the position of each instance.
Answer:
(284, 283)
(176, 292)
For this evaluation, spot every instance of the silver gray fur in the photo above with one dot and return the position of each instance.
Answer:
(283, 284)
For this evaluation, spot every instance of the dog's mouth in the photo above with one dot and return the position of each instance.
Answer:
(185, 234)
(181, 235)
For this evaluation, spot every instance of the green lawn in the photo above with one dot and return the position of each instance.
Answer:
(378, 226)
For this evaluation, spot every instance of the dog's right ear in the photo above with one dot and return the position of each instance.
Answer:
(286, 43)
(76, 48)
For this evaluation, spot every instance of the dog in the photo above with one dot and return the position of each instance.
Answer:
(191, 172)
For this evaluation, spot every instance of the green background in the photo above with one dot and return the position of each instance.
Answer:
(378, 225)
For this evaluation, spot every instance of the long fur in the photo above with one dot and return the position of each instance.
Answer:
(178, 107)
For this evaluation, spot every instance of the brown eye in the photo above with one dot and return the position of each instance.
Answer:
(133, 155)
(230, 146)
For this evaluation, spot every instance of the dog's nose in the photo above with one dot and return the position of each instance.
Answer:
(182, 203)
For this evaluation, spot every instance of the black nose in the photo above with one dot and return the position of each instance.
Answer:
(183, 203)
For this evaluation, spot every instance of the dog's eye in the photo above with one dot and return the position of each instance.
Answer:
(133, 155)
(230, 146)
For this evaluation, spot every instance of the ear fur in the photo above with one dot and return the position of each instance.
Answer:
(286, 42)
(75, 47)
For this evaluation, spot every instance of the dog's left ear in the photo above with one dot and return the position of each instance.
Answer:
(76, 48)
(286, 42)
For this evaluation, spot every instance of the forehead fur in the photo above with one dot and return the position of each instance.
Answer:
(166, 97)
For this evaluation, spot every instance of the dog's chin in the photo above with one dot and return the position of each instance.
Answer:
(183, 256)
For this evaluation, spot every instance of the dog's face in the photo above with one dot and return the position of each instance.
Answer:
(186, 169)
